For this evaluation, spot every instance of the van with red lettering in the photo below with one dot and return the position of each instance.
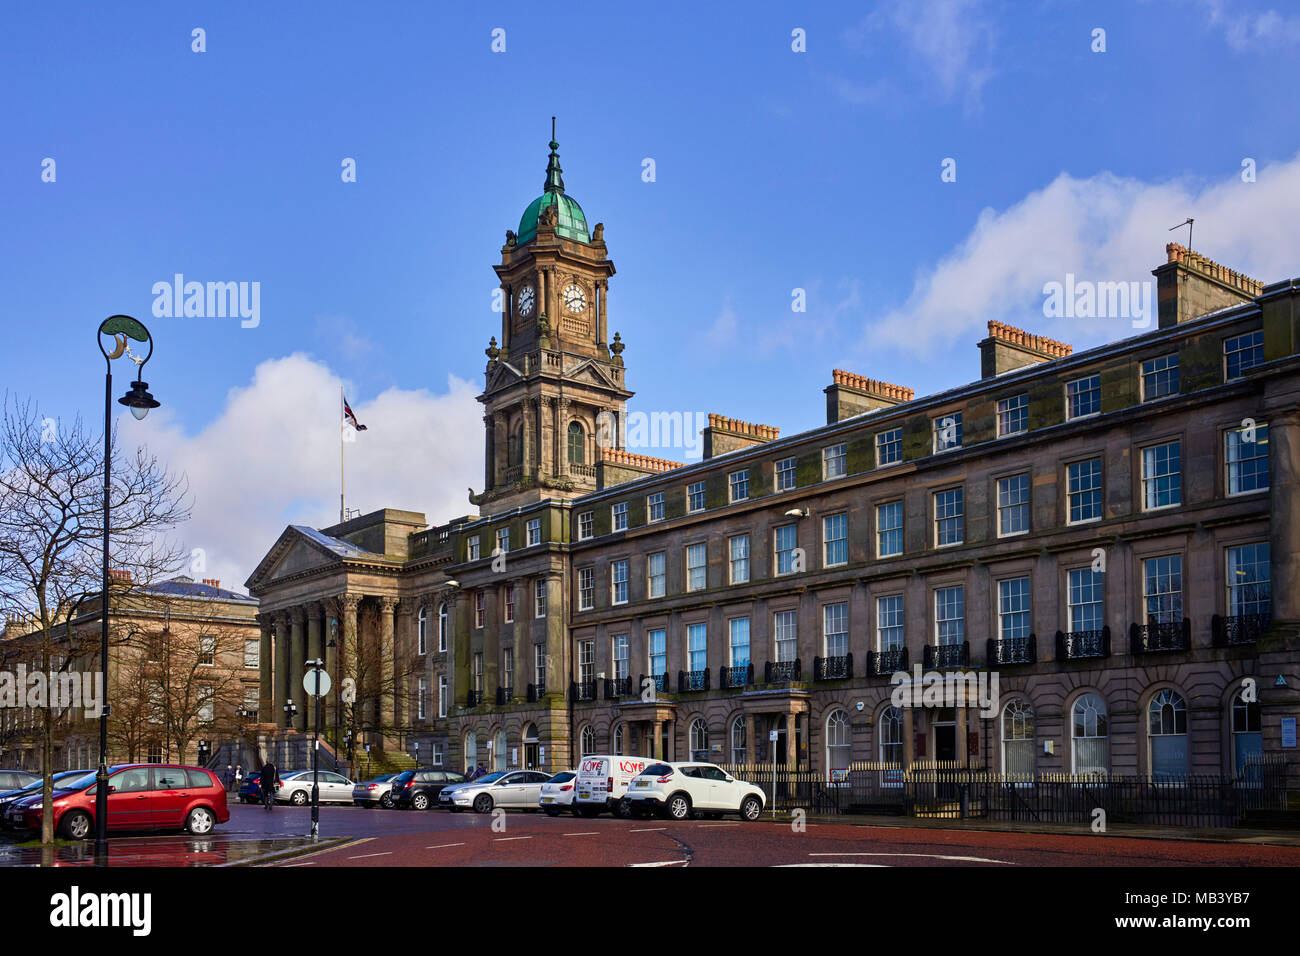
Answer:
(602, 784)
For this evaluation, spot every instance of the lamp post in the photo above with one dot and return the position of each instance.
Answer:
(317, 687)
(138, 399)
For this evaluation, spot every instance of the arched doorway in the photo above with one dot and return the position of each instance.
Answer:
(532, 756)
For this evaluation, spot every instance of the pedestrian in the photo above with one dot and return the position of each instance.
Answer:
(239, 776)
(230, 777)
(270, 779)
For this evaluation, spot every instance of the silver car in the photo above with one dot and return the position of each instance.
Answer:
(334, 788)
(508, 789)
(378, 791)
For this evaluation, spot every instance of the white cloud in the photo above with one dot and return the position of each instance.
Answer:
(1247, 30)
(1104, 228)
(271, 458)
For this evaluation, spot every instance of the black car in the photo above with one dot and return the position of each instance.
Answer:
(10, 797)
(419, 789)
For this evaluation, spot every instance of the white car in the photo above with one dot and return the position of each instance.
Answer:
(603, 782)
(558, 792)
(334, 788)
(680, 789)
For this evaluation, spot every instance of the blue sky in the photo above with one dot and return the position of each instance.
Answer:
(775, 170)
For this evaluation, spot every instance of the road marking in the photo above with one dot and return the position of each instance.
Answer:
(664, 863)
(443, 846)
(717, 824)
(366, 856)
(650, 830)
(588, 833)
(928, 856)
(790, 866)
(504, 839)
(308, 863)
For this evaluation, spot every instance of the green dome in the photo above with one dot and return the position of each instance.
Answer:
(570, 221)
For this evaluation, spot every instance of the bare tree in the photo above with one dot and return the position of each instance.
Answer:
(52, 523)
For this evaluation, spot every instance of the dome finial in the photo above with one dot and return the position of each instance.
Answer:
(554, 179)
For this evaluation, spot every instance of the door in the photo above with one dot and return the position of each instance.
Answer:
(130, 804)
(533, 788)
(945, 742)
(531, 760)
(719, 790)
(171, 796)
(509, 791)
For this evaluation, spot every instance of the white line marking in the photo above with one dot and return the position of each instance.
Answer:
(504, 839)
(588, 833)
(717, 824)
(650, 830)
(443, 846)
(928, 856)
(664, 863)
(364, 856)
(309, 863)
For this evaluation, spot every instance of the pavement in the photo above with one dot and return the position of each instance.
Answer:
(353, 836)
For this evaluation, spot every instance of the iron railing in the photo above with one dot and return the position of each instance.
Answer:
(938, 656)
(659, 682)
(740, 676)
(692, 680)
(616, 687)
(776, 672)
(888, 662)
(1154, 638)
(583, 690)
(1079, 645)
(1238, 629)
(1012, 650)
(473, 698)
(505, 695)
(833, 668)
(536, 692)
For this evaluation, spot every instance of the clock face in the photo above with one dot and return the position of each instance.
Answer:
(574, 299)
(526, 298)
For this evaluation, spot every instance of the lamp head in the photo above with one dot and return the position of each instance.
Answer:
(139, 400)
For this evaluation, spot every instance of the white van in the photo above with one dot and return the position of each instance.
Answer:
(603, 782)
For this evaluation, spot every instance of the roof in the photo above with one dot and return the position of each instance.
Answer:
(344, 549)
(570, 221)
(187, 587)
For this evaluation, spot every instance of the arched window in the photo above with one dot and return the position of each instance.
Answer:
(515, 447)
(442, 626)
(588, 741)
(1247, 741)
(499, 751)
(531, 754)
(839, 749)
(739, 741)
(1089, 735)
(618, 740)
(1167, 733)
(577, 444)
(471, 751)
(1018, 737)
(891, 736)
(699, 739)
(422, 631)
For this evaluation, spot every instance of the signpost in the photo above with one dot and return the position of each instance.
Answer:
(772, 736)
(316, 682)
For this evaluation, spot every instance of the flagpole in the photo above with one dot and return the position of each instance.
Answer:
(342, 513)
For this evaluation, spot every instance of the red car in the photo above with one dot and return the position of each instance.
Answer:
(140, 797)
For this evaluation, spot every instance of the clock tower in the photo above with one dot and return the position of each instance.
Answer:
(554, 395)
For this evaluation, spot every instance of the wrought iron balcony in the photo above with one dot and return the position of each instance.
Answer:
(616, 687)
(777, 672)
(888, 662)
(473, 698)
(658, 681)
(1080, 645)
(739, 676)
(536, 692)
(692, 680)
(1238, 629)
(1014, 650)
(505, 695)
(583, 690)
(833, 668)
(940, 656)
(1154, 638)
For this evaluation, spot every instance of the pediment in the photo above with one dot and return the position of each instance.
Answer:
(591, 373)
(292, 553)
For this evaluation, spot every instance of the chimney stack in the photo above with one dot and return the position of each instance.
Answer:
(212, 582)
(731, 434)
(116, 576)
(850, 395)
(1189, 286)
(1008, 348)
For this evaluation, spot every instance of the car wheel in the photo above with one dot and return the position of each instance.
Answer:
(386, 801)
(200, 821)
(678, 807)
(551, 811)
(483, 803)
(623, 809)
(299, 798)
(76, 825)
(751, 808)
(420, 801)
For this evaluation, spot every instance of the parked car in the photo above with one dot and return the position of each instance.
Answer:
(296, 788)
(557, 793)
(250, 791)
(603, 781)
(508, 789)
(16, 779)
(140, 797)
(11, 797)
(682, 789)
(419, 789)
(367, 793)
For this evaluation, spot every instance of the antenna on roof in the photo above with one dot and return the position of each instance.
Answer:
(1188, 223)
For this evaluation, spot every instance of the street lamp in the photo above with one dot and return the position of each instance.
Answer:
(138, 399)
(318, 690)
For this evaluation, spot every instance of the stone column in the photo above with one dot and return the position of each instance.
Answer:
(297, 644)
(330, 609)
(387, 655)
(501, 446)
(266, 670)
(909, 738)
(751, 742)
(791, 750)
(656, 742)
(313, 652)
(489, 454)
(280, 681)
(601, 287)
(348, 604)
(961, 736)
(562, 436)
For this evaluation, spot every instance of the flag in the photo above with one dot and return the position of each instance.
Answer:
(350, 418)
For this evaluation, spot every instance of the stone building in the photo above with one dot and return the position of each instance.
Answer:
(1111, 533)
